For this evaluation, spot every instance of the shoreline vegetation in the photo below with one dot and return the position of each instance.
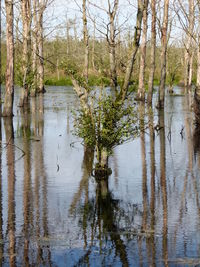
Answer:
(100, 81)
(96, 81)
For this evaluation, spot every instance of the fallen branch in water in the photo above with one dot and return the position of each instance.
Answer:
(8, 144)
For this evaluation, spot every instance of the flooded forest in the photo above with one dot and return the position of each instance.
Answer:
(100, 133)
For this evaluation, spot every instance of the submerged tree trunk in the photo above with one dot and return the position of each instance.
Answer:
(9, 94)
(141, 85)
(153, 52)
(26, 17)
(86, 41)
(102, 171)
(161, 90)
(136, 43)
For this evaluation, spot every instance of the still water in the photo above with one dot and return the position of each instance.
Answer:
(53, 213)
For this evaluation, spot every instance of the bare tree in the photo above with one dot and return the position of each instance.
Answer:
(153, 51)
(197, 90)
(164, 29)
(187, 20)
(93, 45)
(198, 53)
(133, 53)
(111, 36)
(86, 40)
(26, 19)
(189, 50)
(0, 58)
(141, 85)
(9, 94)
(41, 6)
(34, 50)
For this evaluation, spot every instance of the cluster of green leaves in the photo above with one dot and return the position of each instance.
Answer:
(62, 82)
(74, 72)
(19, 75)
(109, 123)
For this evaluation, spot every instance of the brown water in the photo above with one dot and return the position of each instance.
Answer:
(53, 213)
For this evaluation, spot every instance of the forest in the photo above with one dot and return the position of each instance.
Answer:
(99, 132)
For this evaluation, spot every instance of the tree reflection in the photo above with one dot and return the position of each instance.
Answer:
(98, 212)
(163, 184)
(40, 184)
(35, 194)
(10, 156)
(1, 204)
(153, 195)
(27, 190)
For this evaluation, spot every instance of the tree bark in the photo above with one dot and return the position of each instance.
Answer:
(0, 62)
(86, 41)
(9, 94)
(141, 85)
(93, 46)
(26, 19)
(112, 44)
(34, 50)
(188, 50)
(153, 52)
(197, 90)
(161, 90)
(40, 38)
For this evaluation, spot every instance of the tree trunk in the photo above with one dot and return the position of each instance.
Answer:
(41, 49)
(9, 94)
(136, 43)
(197, 90)
(26, 57)
(153, 52)
(101, 169)
(68, 38)
(141, 85)
(198, 71)
(161, 90)
(86, 41)
(0, 62)
(93, 47)
(104, 158)
(34, 51)
(191, 70)
(188, 53)
(112, 45)
(196, 103)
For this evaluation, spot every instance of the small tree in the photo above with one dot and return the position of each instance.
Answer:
(106, 120)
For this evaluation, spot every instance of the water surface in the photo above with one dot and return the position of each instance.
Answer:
(53, 213)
